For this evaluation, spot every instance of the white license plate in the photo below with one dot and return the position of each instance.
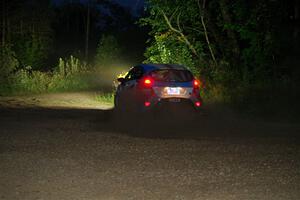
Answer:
(173, 90)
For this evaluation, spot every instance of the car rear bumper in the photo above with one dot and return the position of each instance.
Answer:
(173, 103)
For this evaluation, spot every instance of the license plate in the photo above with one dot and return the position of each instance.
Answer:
(173, 90)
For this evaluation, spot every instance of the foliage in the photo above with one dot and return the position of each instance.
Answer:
(8, 63)
(246, 38)
(36, 33)
(108, 51)
(26, 27)
(27, 81)
(166, 49)
(32, 50)
(70, 66)
(69, 75)
(107, 98)
(169, 46)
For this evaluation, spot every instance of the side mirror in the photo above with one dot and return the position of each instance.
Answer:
(121, 79)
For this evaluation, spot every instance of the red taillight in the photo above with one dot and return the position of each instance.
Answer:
(196, 87)
(147, 104)
(198, 104)
(196, 83)
(148, 82)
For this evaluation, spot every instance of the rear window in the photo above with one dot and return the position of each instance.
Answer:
(172, 75)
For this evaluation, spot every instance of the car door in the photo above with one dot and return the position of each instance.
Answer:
(128, 88)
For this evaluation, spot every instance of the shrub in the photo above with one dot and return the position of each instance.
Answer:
(69, 75)
(27, 81)
(70, 66)
(8, 62)
(32, 49)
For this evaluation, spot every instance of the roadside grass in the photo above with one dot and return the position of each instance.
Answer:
(25, 82)
(69, 75)
(106, 98)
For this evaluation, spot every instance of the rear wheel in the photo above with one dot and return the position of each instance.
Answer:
(116, 102)
(121, 105)
(119, 109)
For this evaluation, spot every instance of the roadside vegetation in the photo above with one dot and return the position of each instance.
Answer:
(244, 53)
(43, 50)
(68, 75)
(106, 98)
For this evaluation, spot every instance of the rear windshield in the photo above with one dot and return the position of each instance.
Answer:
(172, 75)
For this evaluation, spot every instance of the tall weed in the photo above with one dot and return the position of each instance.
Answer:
(69, 75)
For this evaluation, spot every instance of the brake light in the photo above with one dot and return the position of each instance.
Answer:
(196, 83)
(147, 104)
(196, 87)
(198, 104)
(148, 82)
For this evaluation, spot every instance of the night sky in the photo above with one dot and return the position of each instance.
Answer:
(132, 4)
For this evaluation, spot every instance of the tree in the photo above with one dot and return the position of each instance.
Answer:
(26, 29)
(186, 21)
(108, 51)
(224, 37)
(87, 31)
(8, 63)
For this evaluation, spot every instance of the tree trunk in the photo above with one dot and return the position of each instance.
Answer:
(87, 31)
(201, 9)
(230, 33)
(3, 23)
(218, 38)
(8, 31)
(21, 28)
(297, 23)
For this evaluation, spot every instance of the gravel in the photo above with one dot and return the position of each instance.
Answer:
(88, 154)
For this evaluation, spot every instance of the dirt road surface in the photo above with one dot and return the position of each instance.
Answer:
(91, 154)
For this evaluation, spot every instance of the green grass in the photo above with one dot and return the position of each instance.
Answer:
(69, 75)
(107, 98)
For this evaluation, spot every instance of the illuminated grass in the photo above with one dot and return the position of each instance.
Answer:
(106, 98)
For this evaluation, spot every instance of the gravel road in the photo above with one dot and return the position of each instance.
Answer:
(88, 154)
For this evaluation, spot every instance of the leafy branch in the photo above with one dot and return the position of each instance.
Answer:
(179, 31)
